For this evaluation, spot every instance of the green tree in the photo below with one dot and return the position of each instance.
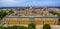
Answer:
(3, 14)
(46, 26)
(32, 26)
(9, 12)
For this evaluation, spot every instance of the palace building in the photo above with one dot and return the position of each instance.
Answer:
(17, 20)
(26, 16)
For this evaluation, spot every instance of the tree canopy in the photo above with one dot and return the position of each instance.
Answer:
(55, 13)
(3, 13)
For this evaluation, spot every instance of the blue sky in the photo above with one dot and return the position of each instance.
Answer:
(18, 3)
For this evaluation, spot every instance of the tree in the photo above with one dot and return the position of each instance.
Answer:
(31, 26)
(9, 12)
(3, 14)
(46, 26)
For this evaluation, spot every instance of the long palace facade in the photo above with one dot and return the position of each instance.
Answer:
(26, 20)
(26, 16)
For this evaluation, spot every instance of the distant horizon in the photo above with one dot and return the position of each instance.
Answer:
(34, 6)
(28, 7)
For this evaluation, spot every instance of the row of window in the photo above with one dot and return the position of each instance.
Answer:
(38, 21)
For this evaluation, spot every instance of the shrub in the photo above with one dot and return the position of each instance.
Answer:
(23, 27)
(12, 27)
(1, 27)
(17, 27)
(31, 26)
(46, 26)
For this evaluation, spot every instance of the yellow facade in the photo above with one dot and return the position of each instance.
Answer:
(26, 21)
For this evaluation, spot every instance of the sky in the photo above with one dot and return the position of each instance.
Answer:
(40, 3)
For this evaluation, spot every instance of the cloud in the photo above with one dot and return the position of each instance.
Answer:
(11, 3)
